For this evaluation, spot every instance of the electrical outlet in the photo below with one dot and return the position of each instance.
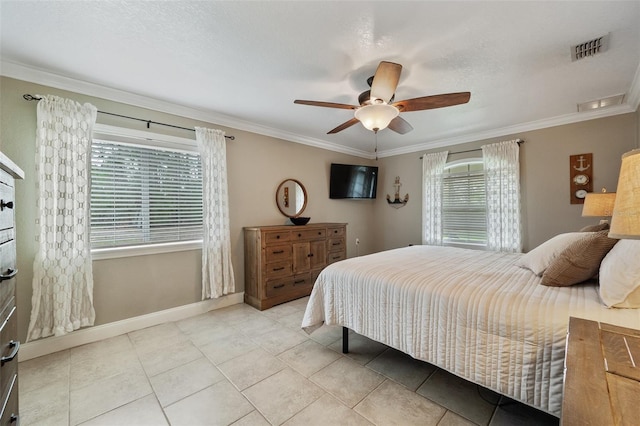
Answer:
(357, 241)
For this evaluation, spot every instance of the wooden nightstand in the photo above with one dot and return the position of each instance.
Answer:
(602, 375)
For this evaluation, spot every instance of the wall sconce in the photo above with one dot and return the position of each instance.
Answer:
(625, 222)
(599, 204)
(397, 202)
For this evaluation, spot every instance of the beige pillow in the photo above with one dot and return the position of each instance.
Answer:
(579, 261)
(620, 276)
(595, 228)
(540, 257)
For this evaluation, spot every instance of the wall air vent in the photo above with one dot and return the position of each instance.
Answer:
(590, 48)
(601, 103)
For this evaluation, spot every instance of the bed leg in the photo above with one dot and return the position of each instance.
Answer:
(345, 340)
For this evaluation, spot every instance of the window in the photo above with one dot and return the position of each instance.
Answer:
(143, 195)
(464, 214)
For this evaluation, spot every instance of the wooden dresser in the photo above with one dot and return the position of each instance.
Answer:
(281, 263)
(8, 317)
(602, 375)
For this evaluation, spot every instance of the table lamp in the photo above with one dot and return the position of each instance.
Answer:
(599, 204)
(625, 221)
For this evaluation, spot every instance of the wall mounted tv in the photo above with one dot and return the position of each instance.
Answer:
(352, 181)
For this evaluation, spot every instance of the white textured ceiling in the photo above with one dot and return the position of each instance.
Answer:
(243, 63)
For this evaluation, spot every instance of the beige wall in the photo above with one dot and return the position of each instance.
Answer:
(129, 287)
(544, 159)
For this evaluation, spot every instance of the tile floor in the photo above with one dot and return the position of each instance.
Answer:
(240, 366)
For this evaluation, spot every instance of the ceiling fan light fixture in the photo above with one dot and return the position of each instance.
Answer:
(377, 116)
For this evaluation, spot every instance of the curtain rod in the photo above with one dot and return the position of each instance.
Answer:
(519, 141)
(29, 97)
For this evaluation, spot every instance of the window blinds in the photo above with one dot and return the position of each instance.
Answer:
(142, 195)
(464, 219)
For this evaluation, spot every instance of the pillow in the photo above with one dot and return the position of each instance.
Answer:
(540, 257)
(595, 228)
(579, 261)
(620, 275)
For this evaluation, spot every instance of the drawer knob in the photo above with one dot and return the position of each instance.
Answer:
(16, 347)
(278, 252)
(10, 274)
(8, 204)
(278, 269)
(298, 282)
(278, 286)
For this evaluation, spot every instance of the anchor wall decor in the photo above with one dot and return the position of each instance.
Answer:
(397, 202)
(580, 177)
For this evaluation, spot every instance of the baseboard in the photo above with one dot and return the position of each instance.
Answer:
(83, 336)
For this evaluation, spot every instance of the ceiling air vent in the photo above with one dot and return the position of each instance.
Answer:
(590, 48)
(601, 103)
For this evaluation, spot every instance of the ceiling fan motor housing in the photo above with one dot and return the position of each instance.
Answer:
(365, 98)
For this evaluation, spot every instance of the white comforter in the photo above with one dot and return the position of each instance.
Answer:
(473, 313)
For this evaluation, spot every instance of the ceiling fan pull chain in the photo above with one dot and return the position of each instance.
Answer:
(376, 150)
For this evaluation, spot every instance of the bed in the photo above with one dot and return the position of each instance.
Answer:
(473, 313)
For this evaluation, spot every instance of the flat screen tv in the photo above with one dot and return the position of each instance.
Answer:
(352, 181)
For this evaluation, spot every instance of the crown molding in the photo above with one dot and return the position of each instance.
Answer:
(510, 130)
(633, 98)
(45, 78)
(38, 76)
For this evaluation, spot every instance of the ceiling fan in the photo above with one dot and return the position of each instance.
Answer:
(377, 109)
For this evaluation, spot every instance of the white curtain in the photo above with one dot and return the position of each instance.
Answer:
(432, 171)
(502, 174)
(217, 271)
(62, 298)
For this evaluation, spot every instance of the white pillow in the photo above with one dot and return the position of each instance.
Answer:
(620, 275)
(538, 259)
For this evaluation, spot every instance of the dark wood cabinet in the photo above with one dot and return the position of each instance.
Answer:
(283, 262)
(9, 343)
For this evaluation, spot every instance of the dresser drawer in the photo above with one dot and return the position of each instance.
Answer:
(6, 213)
(9, 415)
(309, 234)
(276, 236)
(281, 268)
(336, 257)
(8, 348)
(7, 268)
(301, 280)
(335, 244)
(298, 284)
(7, 235)
(277, 252)
(336, 232)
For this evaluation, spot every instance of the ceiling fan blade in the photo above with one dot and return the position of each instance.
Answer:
(400, 125)
(432, 102)
(325, 104)
(344, 125)
(385, 81)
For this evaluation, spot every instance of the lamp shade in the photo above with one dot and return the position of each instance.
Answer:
(598, 204)
(377, 116)
(625, 222)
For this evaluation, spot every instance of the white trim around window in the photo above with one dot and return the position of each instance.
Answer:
(145, 139)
